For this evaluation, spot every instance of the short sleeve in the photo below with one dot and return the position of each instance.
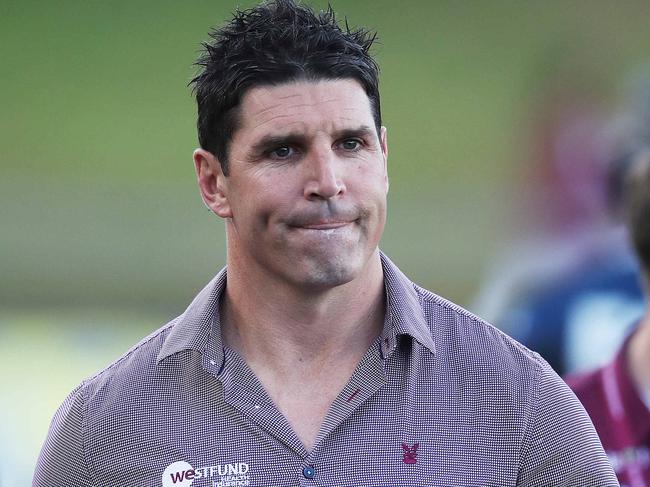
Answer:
(561, 447)
(62, 460)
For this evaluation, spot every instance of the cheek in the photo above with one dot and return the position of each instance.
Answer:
(372, 172)
(370, 184)
(248, 197)
(262, 209)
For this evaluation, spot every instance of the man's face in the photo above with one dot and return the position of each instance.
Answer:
(305, 198)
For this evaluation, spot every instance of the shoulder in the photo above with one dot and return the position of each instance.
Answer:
(494, 375)
(118, 386)
(97, 404)
(137, 360)
(516, 389)
(464, 337)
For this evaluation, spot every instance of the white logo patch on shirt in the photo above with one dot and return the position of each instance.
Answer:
(182, 474)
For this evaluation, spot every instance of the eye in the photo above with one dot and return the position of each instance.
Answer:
(283, 152)
(351, 144)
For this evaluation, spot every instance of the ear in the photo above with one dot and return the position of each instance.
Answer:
(213, 184)
(383, 141)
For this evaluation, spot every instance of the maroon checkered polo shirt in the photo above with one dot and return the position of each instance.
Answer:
(440, 399)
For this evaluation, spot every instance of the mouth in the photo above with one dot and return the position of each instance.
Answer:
(325, 225)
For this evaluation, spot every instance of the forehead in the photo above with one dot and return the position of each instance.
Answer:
(305, 106)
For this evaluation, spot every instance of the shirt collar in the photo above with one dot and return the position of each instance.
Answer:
(404, 313)
(198, 328)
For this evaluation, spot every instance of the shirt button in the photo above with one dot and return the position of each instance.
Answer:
(309, 472)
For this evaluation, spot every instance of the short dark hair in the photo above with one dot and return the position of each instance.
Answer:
(276, 42)
(636, 200)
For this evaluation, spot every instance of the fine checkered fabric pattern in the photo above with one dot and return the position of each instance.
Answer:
(440, 399)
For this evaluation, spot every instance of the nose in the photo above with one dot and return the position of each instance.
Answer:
(324, 178)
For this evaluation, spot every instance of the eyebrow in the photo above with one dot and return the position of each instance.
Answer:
(299, 138)
(362, 131)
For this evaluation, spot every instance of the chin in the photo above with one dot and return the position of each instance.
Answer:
(328, 279)
(326, 272)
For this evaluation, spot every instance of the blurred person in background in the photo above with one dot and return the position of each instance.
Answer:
(617, 396)
(571, 290)
(311, 359)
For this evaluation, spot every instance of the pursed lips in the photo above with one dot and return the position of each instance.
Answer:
(324, 225)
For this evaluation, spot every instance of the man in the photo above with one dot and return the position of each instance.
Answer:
(617, 396)
(311, 359)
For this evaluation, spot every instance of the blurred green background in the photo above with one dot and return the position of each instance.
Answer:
(103, 236)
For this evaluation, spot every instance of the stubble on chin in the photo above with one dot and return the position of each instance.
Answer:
(320, 269)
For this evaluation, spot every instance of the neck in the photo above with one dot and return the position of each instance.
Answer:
(276, 325)
(639, 355)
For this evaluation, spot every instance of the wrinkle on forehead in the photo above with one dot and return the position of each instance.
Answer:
(257, 103)
(298, 105)
(304, 126)
(305, 111)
